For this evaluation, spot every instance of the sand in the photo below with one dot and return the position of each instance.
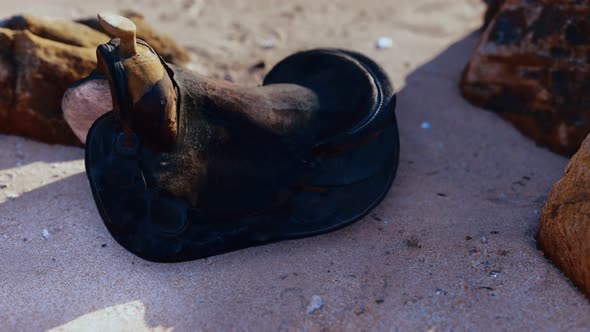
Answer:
(450, 248)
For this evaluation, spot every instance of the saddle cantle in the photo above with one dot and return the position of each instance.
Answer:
(185, 167)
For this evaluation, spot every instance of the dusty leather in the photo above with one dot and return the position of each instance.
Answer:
(230, 182)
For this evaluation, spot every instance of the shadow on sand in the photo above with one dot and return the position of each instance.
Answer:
(408, 258)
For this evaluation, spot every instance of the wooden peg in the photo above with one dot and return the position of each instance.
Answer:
(122, 28)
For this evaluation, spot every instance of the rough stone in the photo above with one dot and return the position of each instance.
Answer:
(532, 66)
(564, 234)
(59, 30)
(493, 7)
(40, 58)
(35, 73)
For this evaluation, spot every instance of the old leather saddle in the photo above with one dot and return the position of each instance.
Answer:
(185, 167)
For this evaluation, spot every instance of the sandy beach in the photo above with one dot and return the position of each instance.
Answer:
(450, 248)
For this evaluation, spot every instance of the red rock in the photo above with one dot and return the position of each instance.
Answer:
(59, 30)
(491, 11)
(6, 75)
(39, 59)
(564, 234)
(39, 72)
(532, 66)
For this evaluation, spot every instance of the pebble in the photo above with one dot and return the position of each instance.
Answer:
(19, 149)
(315, 304)
(268, 44)
(45, 234)
(359, 311)
(384, 42)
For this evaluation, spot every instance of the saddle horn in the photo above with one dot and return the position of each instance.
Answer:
(185, 167)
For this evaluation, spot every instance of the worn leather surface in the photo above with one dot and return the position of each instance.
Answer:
(249, 186)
